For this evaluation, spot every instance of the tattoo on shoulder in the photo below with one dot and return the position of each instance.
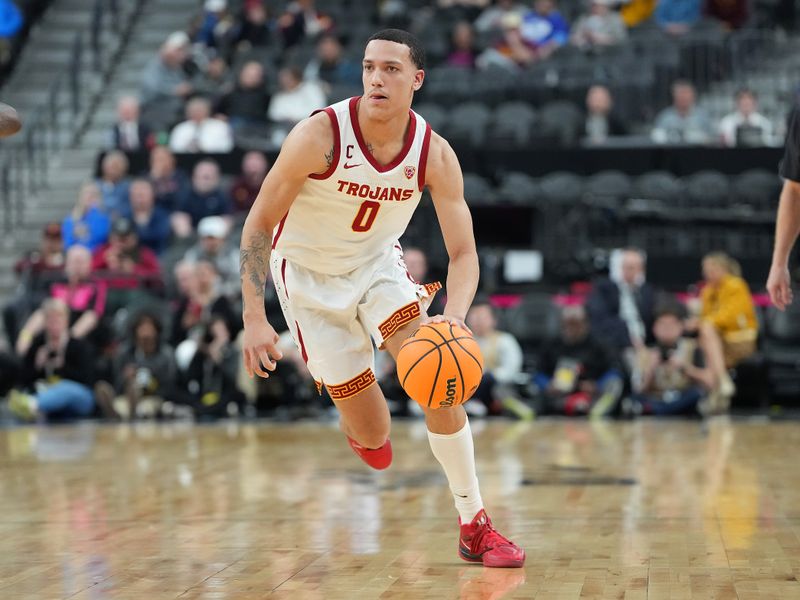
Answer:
(329, 158)
(369, 147)
(253, 259)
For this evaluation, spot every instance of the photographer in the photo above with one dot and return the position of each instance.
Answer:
(670, 377)
(58, 367)
(209, 382)
(144, 373)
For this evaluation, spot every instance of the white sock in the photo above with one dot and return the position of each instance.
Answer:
(456, 454)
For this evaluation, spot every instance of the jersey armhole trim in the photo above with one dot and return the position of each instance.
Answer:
(423, 157)
(337, 145)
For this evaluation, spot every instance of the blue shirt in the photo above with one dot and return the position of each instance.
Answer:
(199, 205)
(90, 231)
(156, 232)
(539, 30)
(677, 11)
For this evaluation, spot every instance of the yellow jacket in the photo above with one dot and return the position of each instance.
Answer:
(636, 11)
(729, 307)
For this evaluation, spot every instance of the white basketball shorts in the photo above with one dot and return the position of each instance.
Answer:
(334, 319)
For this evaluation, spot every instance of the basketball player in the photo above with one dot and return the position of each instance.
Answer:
(787, 226)
(327, 221)
(9, 121)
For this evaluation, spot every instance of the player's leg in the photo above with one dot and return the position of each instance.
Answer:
(450, 438)
(365, 420)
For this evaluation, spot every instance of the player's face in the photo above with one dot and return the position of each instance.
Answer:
(390, 77)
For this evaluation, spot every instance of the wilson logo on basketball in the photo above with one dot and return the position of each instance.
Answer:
(450, 393)
(409, 171)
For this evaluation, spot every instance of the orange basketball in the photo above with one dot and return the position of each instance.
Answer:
(440, 365)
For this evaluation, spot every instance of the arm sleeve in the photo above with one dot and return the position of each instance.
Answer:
(789, 167)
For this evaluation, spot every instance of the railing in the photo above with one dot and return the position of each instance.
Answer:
(59, 121)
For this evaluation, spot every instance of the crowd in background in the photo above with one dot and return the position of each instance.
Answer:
(131, 306)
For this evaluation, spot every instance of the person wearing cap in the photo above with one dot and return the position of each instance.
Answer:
(151, 221)
(212, 247)
(164, 84)
(126, 264)
(599, 28)
(214, 21)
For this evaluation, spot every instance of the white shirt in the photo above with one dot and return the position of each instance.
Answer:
(296, 105)
(211, 135)
(502, 356)
(730, 123)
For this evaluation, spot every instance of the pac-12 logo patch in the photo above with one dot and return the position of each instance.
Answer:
(409, 171)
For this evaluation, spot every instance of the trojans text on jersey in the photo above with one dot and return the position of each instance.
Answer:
(379, 193)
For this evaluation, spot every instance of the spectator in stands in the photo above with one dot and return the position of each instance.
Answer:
(170, 184)
(745, 126)
(255, 27)
(246, 106)
(727, 326)
(460, 10)
(200, 132)
(35, 272)
(210, 27)
(129, 134)
(194, 312)
(502, 359)
(637, 12)
(63, 363)
(84, 296)
(462, 46)
(124, 262)
(670, 376)
(492, 18)
(87, 224)
(144, 372)
(677, 17)
(733, 14)
(683, 122)
(296, 99)
(509, 50)
(214, 80)
(600, 28)
(621, 306)
(330, 66)
(301, 20)
(246, 187)
(601, 122)
(576, 372)
(544, 28)
(165, 84)
(151, 222)
(114, 184)
(205, 198)
(208, 384)
(212, 247)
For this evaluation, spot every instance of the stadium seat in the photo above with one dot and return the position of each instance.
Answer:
(434, 114)
(757, 188)
(517, 188)
(563, 119)
(608, 187)
(467, 124)
(707, 189)
(511, 125)
(658, 185)
(477, 190)
(782, 350)
(561, 188)
(533, 321)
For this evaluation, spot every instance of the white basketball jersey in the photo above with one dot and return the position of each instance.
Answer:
(349, 215)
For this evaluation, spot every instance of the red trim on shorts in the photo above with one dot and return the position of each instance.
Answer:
(337, 145)
(280, 230)
(300, 340)
(423, 157)
(283, 277)
(412, 129)
(348, 389)
(400, 317)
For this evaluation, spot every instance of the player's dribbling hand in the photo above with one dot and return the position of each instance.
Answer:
(447, 319)
(779, 286)
(260, 349)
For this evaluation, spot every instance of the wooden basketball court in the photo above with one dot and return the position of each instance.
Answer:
(651, 509)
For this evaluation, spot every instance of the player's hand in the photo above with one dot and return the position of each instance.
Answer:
(779, 286)
(260, 349)
(447, 319)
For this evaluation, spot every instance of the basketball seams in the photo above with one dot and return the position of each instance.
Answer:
(472, 356)
(418, 361)
(436, 378)
(446, 342)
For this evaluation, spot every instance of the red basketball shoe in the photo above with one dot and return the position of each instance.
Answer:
(377, 458)
(481, 543)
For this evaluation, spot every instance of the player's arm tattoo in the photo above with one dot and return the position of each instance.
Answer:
(254, 260)
(329, 158)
